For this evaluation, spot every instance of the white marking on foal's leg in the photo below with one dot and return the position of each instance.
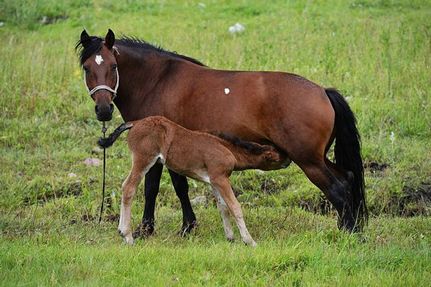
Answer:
(224, 212)
(245, 235)
(203, 175)
(125, 212)
(98, 59)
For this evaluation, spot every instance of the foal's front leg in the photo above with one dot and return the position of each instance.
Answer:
(141, 165)
(129, 189)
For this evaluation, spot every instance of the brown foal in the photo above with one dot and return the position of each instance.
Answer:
(198, 155)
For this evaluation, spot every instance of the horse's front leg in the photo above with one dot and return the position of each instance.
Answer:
(152, 183)
(182, 190)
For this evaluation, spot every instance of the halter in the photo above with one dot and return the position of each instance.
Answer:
(104, 87)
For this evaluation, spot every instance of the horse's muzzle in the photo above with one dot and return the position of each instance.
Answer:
(104, 112)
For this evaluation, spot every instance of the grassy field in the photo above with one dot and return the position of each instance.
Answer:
(376, 52)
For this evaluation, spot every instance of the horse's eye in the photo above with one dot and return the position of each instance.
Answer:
(86, 70)
(114, 67)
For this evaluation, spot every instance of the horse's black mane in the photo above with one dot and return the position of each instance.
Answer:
(250, 147)
(132, 42)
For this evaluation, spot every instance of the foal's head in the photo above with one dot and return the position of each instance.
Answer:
(100, 71)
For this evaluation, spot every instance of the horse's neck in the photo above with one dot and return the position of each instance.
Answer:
(139, 78)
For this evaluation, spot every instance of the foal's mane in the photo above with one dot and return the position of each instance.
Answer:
(126, 41)
(250, 147)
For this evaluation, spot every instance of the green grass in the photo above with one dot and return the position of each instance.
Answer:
(376, 52)
(295, 248)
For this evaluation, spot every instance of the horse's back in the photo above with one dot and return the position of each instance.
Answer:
(276, 107)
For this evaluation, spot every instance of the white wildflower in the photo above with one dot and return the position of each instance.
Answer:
(392, 137)
(237, 28)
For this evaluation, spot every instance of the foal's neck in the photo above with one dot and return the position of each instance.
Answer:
(246, 159)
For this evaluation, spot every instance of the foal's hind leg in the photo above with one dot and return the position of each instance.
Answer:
(222, 185)
(224, 212)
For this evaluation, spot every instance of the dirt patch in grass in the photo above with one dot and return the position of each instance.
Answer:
(48, 192)
(415, 200)
(375, 167)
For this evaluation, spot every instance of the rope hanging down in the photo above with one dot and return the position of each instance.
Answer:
(104, 172)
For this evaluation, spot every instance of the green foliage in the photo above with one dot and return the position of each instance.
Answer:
(376, 52)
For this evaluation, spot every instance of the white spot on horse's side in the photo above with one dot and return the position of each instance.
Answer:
(226, 91)
(98, 59)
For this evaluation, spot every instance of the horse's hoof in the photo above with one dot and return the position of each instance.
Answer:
(187, 228)
(348, 224)
(143, 230)
(230, 239)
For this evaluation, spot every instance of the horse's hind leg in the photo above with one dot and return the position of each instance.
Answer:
(224, 212)
(335, 189)
(222, 185)
(182, 190)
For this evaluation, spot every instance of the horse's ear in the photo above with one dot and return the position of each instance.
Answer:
(85, 39)
(84, 36)
(109, 39)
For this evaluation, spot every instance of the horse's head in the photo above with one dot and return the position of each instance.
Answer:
(100, 72)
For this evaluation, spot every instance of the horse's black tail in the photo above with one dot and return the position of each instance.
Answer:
(107, 142)
(348, 154)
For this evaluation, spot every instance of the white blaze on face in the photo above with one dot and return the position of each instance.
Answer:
(98, 59)
(226, 91)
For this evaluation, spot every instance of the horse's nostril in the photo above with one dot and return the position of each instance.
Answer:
(96, 109)
(111, 107)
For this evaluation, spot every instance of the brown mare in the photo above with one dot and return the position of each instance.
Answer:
(198, 155)
(290, 112)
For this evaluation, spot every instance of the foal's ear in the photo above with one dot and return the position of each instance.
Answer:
(271, 155)
(84, 38)
(109, 39)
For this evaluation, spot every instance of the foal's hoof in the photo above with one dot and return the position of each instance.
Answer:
(143, 230)
(187, 228)
(250, 243)
(128, 239)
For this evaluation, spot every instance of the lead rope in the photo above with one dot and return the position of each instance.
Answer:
(104, 171)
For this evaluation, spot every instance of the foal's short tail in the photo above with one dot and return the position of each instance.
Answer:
(348, 154)
(107, 142)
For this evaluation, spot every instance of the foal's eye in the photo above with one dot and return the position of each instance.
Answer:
(86, 70)
(114, 67)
